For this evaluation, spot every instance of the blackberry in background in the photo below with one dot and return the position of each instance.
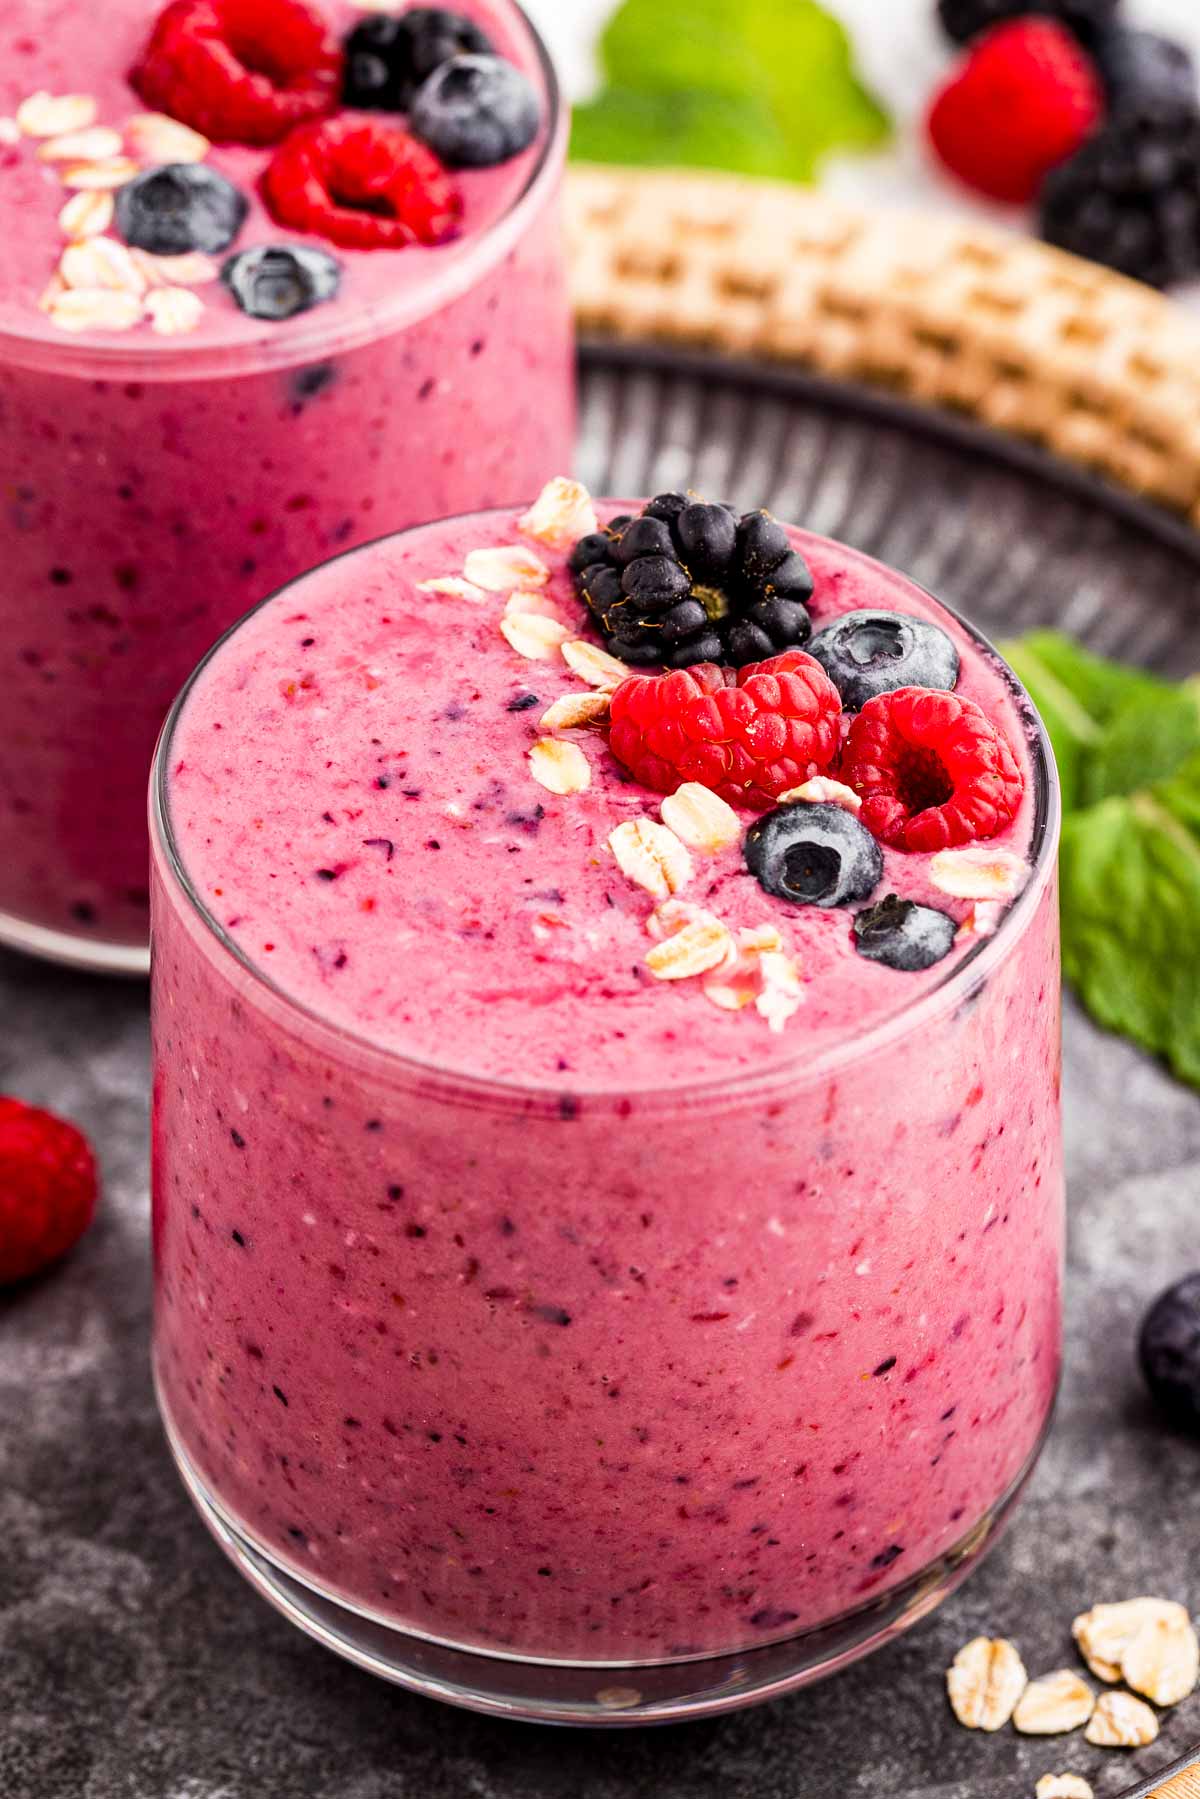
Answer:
(964, 19)
(389, 57)
(1130, 198)
(1143, 72)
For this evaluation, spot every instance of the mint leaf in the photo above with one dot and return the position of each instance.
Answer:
(1146, 740)
(738, 84)
(1131, 915)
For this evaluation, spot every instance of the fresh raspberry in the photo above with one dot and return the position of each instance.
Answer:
(932, 769)
(240, 71)
(363, 185)
(47, 1188)
(1022, 100)
(750, 741)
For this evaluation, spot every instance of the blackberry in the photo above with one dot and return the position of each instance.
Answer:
(1143, 72)
(1130, 198)
(686, 582)
(388, 58)
(964, 19)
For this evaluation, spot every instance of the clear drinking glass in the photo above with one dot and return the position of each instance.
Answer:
(442, 1368)
(154, 489)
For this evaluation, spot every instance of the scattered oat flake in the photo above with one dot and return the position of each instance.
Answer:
(99, 144)
(101, 262)
(95, 309)
(652, 856)
(728, 996)
(505, 567)
(561, 514)
(86, 215)
(575, 712)
(979, 873)
(559, 767)
(114, 172)
(1063, 1786)
(531, 600)
(50, 115)
(51, 293)
(174, 311)
(1162, 1661)
(982, 920)
(1053, 1704)
(594, 665)
(984, 1682)
(697, 948)
(534, 637)
(191, 269)
(454, 587)
(822, 790)
(782, 989)
(10, 131)
(155, 137)
(1121, 1722)
(1105, 1633)
(700, 817)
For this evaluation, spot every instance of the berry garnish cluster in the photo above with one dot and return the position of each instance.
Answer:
(1062, 103)
(685, 582)
(269, 73)
(916, 766)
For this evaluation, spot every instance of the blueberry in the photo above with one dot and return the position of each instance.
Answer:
(475, 111)
(388, 57)
(707, 539)
(903, 935)
(866, 652)
(178, 207)
(813, 855)
(1143, 72)
(1169, 1351)
(276, 281)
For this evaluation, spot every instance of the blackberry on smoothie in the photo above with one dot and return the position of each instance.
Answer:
(279, 276)
(608, 1198)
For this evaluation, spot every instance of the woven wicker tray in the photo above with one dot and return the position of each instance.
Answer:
(1100, 370)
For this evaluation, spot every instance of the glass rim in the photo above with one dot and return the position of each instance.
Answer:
(791, 1070)
(325, 332)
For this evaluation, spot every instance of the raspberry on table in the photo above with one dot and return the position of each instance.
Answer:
(748, 737)
(361, 184)
(47, 1188)
(932, 769)
(240, 71)
(1023, 99)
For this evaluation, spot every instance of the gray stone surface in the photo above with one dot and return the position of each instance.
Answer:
(135, 1664)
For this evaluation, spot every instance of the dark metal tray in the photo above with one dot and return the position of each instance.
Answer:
(135, 1662)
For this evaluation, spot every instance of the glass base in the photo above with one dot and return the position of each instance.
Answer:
(596, 1693)
(88, 953)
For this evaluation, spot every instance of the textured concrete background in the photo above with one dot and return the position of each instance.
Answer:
(135, 1664)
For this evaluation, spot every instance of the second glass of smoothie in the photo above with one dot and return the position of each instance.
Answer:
(546, 1326)
(160, 478)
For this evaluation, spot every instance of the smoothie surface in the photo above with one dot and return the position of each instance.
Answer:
(61, 47)
(351, 796)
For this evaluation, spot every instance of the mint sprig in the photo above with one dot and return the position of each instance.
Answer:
(747, 85)
(1128, 748)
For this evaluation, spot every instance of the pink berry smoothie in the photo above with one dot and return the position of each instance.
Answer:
(153, 487)
(516, 1296)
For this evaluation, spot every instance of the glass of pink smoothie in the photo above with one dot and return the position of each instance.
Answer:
(157, 482)
(542, 1333)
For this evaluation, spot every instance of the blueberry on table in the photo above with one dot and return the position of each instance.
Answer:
(388, 57)
(179, 207)
(900, 934)
(1169, 1351)
(813, 855)
(276, 281)
(475, 111)
(867, 652)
